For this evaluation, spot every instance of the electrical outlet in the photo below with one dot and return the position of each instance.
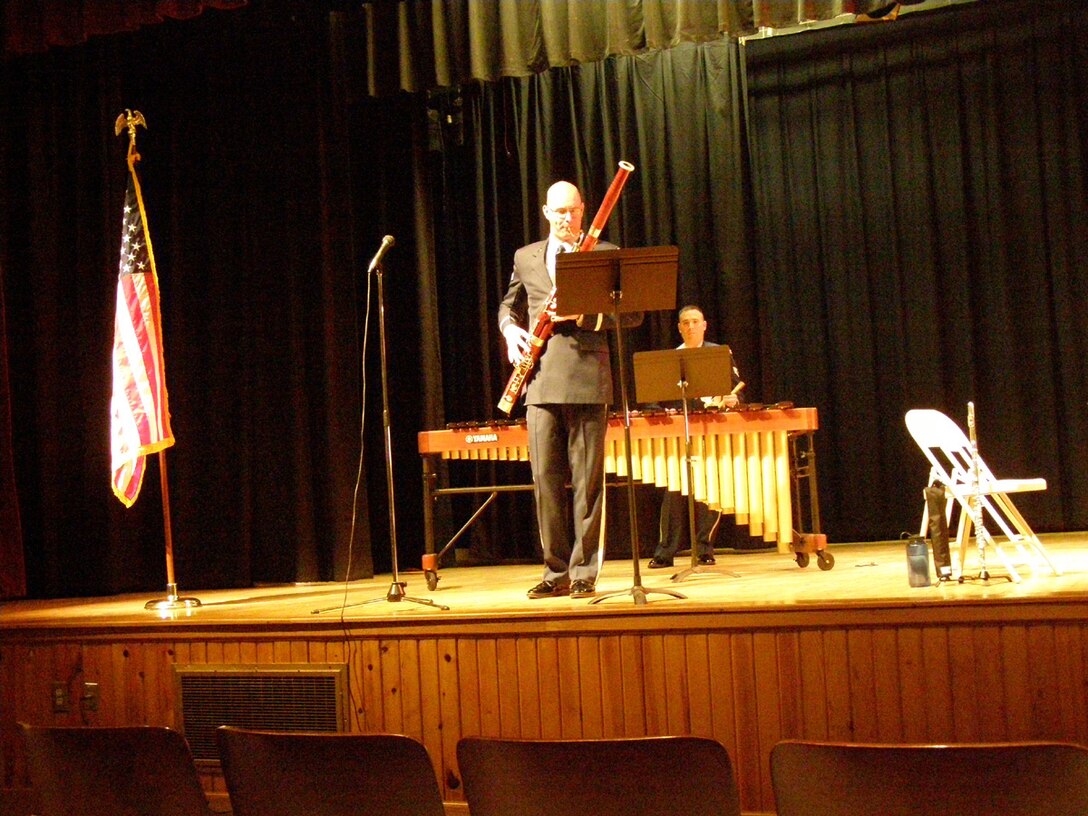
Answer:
(89, 699)
(61, 703)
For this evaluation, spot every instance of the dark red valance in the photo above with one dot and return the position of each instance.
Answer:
(36, 25)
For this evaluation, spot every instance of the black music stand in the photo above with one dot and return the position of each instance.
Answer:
(685, 373)
(620, 281)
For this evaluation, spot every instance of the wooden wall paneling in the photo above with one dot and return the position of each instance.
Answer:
(812, 686)
(591, 689)
(335, 651)
(633, 686)
(612, 681)
(551, 688)
(938, 687)
(863, 705)
(214, 653)
(232, 653)
(410, 689)
(487, 671)
(1043, 665)
(655, 686)
(790, 686)
(389, 656)
(119, 666)
(768, 696)
(913, 694)
(430, 699)
(135, 696)
(369, 657)
(356, 674)
(299, 653)
(450, 726)
(970, 702)
(158, 679)
(697, 665)
(281, 651)
(722, 699)
(509, 683)
(468, 691)
(15, 684)
(989, 672)
(840, 724)
(529, 688)
(886, 684)
(747, 760)
(266, 651)
(676, 693)
(1018, 707)
(569, 689)
(1068, 642)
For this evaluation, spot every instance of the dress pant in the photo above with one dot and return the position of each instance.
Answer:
(567, 441)
(675, 528)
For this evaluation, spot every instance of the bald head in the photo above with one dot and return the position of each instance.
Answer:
(563, 209)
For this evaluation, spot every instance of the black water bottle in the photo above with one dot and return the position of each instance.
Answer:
(917, 561)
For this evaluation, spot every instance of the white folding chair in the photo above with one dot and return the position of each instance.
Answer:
(954, 462)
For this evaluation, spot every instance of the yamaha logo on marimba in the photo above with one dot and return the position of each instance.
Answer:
(481, 438)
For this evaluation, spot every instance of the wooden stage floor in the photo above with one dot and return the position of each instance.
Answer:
(758, 650)
(865, 576)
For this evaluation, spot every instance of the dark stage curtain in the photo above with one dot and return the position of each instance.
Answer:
(418, 45)
(13, 571)
(250, 202)
(921, 233)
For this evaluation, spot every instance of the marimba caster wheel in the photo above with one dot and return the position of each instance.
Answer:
(801, 558)
(432, 579)
(825, 560)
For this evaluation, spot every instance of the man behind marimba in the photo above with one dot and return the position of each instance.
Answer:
(673, 525)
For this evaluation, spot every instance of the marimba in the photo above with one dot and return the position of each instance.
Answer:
(744, 462)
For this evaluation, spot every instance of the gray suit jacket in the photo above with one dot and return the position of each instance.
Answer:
(574, 367)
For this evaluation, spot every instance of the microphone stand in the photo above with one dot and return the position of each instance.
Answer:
(396, 591)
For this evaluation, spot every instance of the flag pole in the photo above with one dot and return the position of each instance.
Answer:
(129, 120)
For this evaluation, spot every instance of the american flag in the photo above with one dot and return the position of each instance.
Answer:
(139, 416)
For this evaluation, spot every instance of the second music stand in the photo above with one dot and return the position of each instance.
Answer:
(620, 281)
(684, 374)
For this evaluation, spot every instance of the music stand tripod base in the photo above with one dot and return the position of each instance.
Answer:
(699, 569)
(638, 592)
(396, 593)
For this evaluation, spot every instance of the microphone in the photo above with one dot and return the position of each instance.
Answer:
(387, 243)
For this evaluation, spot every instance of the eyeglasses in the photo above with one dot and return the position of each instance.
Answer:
(563, 212)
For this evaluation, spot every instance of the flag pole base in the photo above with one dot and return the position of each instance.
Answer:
(172, 602)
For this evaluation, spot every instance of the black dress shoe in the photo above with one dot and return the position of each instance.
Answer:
(707, 560)
(582, 589)
(549, 589)
(659, 563)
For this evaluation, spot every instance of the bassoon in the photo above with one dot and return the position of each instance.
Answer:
(542, 329)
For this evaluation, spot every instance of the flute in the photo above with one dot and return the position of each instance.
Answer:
(542, 329)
